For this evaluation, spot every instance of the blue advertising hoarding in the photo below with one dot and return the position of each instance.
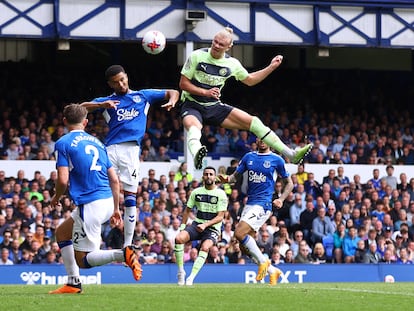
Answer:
(119, 274)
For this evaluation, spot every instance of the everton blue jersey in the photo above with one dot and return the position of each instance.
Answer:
(128, 121)
(262, 170)
(88, 163)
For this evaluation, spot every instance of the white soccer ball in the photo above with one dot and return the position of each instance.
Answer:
(389, 279)
(153, 42)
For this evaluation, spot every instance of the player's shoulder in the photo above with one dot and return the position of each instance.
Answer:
(104, 98)
(200, 54)
(219, 192)
(201, 51)
(147, 93)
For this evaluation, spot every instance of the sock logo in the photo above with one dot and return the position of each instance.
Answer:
(131, 218)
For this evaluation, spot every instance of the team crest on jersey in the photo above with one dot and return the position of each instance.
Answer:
(136, 98)
(223, 72)
(266, 164)
(213, 200)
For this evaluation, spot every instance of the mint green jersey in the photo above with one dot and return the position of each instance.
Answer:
(207, 72)
(208, 203)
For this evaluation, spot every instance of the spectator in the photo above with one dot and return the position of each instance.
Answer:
(265, 242)
(156, 247)
(360, 252)
(50, 258)
(227, 233)
(338, 237)
(318, 254)
(148, 256)
(295, 210)
(15, 254)
(115, 237)
(13, 151)
(6, 240)
(306, 219)
(303, 255)
(289, 258)
(272, 226)
(372, 255)
(344, 180)
(167, 252)
(4, 226)
(329, 179)
(276, 258)
(375, 180)
(390, 178)
(244, 143)
(294, 246)
(183, 173)
(173, 230)
(162, 155)
(301, 174)
(321, 226)
(403, 257)
(350, 245)
(145, 155)
(222, 141)
(208, 138)
(214, 256)
(4, 257)
(312, 186)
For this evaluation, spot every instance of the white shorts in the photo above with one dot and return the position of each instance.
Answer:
(125, 160)
(254, 216)
(88, 218)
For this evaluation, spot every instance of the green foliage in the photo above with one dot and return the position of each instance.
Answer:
(308, 296)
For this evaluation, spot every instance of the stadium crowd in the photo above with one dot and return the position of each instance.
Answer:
(340, 219)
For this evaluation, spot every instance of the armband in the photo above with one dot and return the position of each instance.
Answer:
(182, 227)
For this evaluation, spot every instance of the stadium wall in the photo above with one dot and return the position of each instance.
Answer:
(319, 170)
(119, 274)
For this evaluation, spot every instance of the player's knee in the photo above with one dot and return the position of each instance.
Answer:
(82, 261)
(180, 239)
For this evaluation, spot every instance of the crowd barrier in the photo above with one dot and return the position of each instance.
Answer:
(210, 273)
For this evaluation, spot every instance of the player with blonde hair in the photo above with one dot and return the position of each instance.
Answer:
(202, 78)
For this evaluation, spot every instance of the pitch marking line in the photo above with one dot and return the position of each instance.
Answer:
(368, 291)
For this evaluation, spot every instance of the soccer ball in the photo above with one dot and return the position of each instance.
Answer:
(153, 42)
(389, 279)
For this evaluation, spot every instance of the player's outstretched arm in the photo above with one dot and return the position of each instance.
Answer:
(91, 106)
(187, 85)
(231, 179)
(258, 76)
(173, 96)
(61, 185)
(116, 218)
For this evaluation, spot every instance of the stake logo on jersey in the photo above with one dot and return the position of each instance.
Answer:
(127, 123)
(256, 178)
(124, 114)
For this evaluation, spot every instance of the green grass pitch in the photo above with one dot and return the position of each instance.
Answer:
(307, 296)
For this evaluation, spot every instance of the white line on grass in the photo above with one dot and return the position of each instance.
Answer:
(367, 291)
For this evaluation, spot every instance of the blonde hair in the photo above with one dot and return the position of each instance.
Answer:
(228, 33)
